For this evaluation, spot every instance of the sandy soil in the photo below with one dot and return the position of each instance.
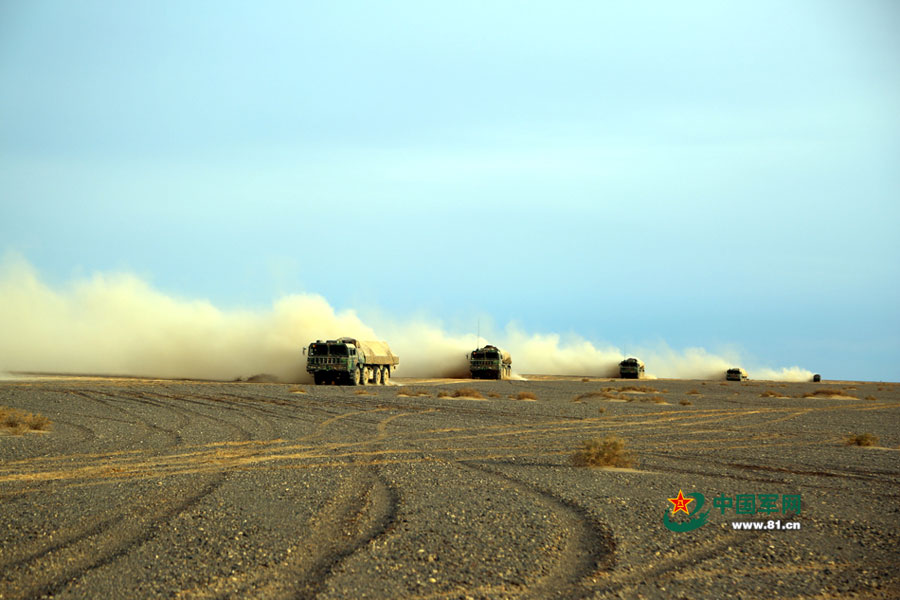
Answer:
(200, 490)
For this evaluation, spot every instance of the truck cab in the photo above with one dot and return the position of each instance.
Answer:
(490, 362)
(736, 374)
(333, 361)
(631, 368)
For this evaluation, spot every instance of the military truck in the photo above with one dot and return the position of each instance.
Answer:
(348, 361)
(631, 368)
(736, 374)
(490, 362)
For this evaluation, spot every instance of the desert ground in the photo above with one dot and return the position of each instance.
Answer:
(188, 489)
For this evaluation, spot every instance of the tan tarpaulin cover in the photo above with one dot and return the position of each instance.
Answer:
(377, 353)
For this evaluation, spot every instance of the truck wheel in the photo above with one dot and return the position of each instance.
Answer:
(317, 377)
(363, 376)
(354, 377)
(383, 375)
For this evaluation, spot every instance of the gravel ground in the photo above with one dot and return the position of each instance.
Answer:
(147, 488)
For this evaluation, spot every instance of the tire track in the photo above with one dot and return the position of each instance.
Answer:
(363, 509)
(589, 549)
(240, 432)
(167, 432)
(48, 571)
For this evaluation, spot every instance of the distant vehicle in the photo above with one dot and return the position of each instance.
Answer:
(736, 374)
(631, 368)
(348, 361)
(817, 378)
(490, 362)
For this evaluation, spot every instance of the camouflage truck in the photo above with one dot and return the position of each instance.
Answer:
(490, 362)
(736, 374)
(348, 361)
(631, 368)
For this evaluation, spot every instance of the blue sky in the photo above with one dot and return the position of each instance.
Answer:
(715, 174)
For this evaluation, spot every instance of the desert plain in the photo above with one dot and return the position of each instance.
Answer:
(190, 489)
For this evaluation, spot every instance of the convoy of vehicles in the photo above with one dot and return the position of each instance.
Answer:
(631, 368)
(736, 374)
(490, 362)
(348, 361)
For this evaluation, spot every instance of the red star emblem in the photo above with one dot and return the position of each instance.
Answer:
(680, 503)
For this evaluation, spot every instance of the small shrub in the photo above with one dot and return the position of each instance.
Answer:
(770, 394)
(364, 392)
(444, 395)
(863, 439)
(607, 452)
(827, 394)
(655, 399)
(18, 422)
(493, 395)
(638, 388)
(412, 392)
(685, 403)
(39, 423)
(604, 394)
(694, 393)
(467, 393)
(584, 380)
(525, 396)
(870, 397)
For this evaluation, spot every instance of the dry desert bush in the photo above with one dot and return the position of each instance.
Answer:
(685, 403)
(638, 388)
(584, 380)
(828, 394)
(524, 396)
(604, 394)
(18, 422)
(467, 393)
(655, 399)
(412, 392)
(607, 452)
(770, 394)
(364, 392)
(694, 393)
(862, 439)
(493, 395)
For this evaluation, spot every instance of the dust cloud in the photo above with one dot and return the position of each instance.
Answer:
(117, 324)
